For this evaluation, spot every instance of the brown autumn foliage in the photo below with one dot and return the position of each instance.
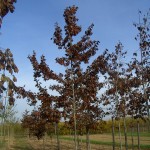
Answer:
(8, 68)
(77, 88)
(34, 123)
(6, 6)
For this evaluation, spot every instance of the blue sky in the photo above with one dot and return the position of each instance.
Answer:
(31, 26)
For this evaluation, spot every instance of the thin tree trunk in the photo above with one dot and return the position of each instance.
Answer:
(74, 109)
(12, 134)
(138, 133)
(125, 133)
(4, 130)
(75, 123)
(1, 130)
(28, 134)
(87, 139)
(78, 141)
(113, 134)
(43, 143)
(81, 138)
(120, 136)
(132, 130)
(57, 134)
(148, 115)
(8, 135)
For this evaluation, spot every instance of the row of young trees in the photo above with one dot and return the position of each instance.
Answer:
(78, 102)
(126, 82)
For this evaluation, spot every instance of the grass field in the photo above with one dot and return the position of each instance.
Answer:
(97, 142)
(106, 140)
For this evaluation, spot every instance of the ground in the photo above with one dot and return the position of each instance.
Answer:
(98, 142)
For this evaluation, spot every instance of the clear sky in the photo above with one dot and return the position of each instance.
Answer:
(31, 26)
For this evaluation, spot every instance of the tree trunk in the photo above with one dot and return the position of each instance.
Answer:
(87, 139)
(78, 141)
(28, 134)
(132, 130)
(4, 130)
(113, 134)
(1, 130)
(12, 134)
(74, 108)
(75, 125)
(57, 135)
(120, 136)
(7, 135)
(148, 115)
(138, 133)
(43, 143)
(125, 133)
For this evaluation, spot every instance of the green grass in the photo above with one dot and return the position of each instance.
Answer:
(91, 141)
(145, 146)
(21, 142)
(142, 134)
